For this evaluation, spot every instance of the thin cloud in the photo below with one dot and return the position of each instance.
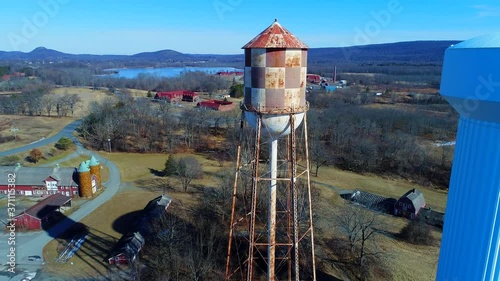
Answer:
(487, 11)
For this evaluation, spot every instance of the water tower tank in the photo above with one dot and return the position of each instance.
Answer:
(275, 79)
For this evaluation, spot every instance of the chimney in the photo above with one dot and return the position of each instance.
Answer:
(470, 246)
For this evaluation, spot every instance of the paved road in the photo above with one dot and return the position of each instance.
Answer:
(28, 244)
(65, 132)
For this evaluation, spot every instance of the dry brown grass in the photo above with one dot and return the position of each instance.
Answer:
(137, 166)
(106, 225)
(87, 95)
(400, 258)
(386, 187)
(31, 128)
(47, 151)
(139, 93)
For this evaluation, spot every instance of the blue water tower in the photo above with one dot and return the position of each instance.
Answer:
(471, 235)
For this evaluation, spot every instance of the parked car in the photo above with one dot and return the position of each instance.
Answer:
(34, 258)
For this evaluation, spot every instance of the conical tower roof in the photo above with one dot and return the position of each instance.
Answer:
(93, 161)
(84, 167)
(275, 36)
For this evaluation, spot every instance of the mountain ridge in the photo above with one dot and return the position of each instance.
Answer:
(423, 51)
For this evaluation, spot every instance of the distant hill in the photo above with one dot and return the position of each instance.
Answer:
(402, 52)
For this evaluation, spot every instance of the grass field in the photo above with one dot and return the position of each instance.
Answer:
(138, 166)
(400, 258)
(386, 187)
(50, 154)
(30, 128)
(106, 225)
(87, 96)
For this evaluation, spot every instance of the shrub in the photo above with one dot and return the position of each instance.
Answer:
(170, 166)
(417, 232)
(35, 155)
(9, 160)
(64, 143)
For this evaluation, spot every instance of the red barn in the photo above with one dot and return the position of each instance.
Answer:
(219, 105)
(44, 213)
(313, 78)
(177, 96)
(39, 181)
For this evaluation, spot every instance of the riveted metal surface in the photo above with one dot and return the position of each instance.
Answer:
(292, 98)
(259, 77)
(276, 57)
(278, 67)
(275, 78)
(275, 98)
(293, 58)
(258, 97)
(292, 77)
(258, 57)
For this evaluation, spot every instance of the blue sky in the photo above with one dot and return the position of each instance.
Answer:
(224, 26)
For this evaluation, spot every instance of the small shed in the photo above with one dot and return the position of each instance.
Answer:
(44, 213)
(409, 204)
(127, 249)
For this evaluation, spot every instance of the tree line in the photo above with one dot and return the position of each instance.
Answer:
(346, 132)
(37, 99)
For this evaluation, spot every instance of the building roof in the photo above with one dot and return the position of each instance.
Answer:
(129, 244)
(275, 36)
(175, 94)
(47, 206)
(214, 104)
(372, 201)
(416, 197)
(93, 161)
(36, 175)
(84, 167)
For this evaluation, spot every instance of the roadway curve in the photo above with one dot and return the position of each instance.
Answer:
(28, 244)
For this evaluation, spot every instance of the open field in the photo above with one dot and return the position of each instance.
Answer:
(138, 166)
(106, 225)
(386, 187)
(397, 256)
(86, 95)
(400, 258)
(30, 128)
(50, 154)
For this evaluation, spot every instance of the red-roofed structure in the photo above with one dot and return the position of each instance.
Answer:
(275, 36)
(177, 96)
(314, 78)
(218, 105)
(44, 213)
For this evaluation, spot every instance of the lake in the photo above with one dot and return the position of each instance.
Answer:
(164, 71)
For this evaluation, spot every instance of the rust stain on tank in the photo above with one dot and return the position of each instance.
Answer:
(293, 61)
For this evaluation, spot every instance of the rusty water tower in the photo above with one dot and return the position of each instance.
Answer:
(271, 230)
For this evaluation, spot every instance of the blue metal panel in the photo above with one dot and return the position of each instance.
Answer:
(471, 235)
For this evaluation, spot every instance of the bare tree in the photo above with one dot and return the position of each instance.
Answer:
(359, 227)
(188, 169)
(72, 100)
(48, 102)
